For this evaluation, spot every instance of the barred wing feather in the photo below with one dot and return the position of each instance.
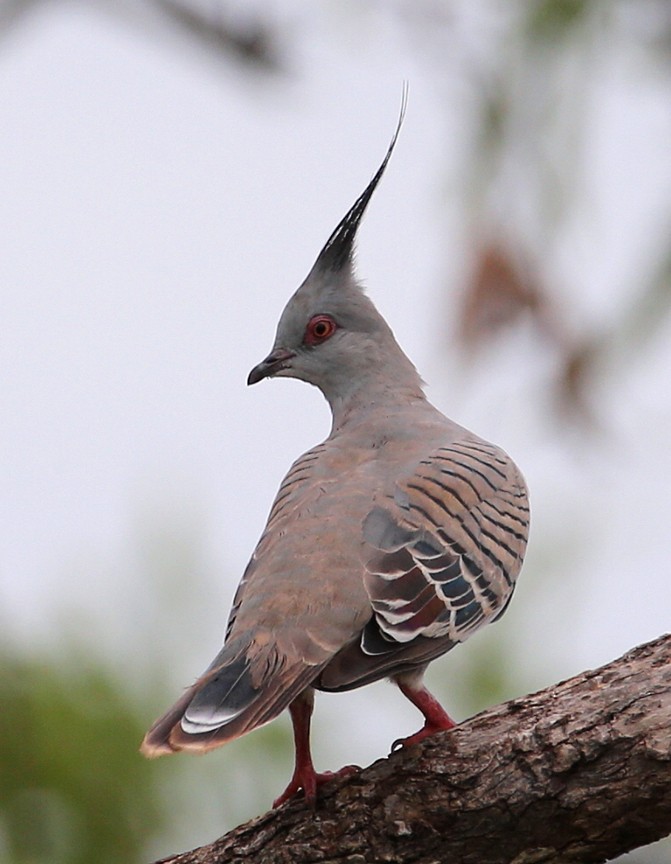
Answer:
(446, 547)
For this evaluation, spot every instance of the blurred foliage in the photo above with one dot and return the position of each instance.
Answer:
(551, 19)
(74, 789)
(537, 94)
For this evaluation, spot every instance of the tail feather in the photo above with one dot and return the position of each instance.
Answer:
(221, 699)
(157, 740)
(225, 703)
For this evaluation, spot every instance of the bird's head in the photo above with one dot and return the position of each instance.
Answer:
(330, 333)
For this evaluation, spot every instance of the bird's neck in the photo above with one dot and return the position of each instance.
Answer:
(391, 387)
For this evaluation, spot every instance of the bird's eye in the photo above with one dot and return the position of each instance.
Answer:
(319, 329)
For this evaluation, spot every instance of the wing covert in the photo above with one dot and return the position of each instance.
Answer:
(447, 547)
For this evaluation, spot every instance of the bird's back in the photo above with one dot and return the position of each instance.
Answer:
(394, 539)
(418, 527)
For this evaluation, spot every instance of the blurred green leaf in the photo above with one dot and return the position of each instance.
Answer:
(74, 789)
(552, 19)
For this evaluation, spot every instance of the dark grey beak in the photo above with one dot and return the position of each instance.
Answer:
(276, 360)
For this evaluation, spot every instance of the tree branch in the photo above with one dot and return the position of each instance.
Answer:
(580, 772)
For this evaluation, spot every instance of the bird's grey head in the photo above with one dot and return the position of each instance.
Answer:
(330, 333)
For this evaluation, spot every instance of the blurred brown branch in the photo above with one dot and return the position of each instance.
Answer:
(252, 42)
(580, 772)
(249, 39)
(504, 290)
(14, 11)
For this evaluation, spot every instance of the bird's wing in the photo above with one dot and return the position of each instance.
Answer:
(443, 552)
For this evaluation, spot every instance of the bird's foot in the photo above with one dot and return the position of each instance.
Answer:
(427, 730)
(309, 781)
(436, 718)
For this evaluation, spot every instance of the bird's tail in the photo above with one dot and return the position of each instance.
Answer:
(234, 696)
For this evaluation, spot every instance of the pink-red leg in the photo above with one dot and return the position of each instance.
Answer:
(305, 777)
(436, 718)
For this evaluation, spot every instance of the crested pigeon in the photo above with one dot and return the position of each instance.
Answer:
(393, 540)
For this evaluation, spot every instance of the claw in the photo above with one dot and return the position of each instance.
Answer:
(425, 732)
(309, 781)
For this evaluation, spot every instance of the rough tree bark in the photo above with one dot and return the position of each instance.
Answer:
(580, 772)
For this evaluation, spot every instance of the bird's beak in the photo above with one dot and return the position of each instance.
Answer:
(277, 359)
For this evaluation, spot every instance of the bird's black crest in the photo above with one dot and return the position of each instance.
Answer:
(337, 251)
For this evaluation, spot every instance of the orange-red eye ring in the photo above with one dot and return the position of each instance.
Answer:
(319, 329)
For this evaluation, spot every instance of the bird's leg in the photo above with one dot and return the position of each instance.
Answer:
(436, 718)
(305, 777)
